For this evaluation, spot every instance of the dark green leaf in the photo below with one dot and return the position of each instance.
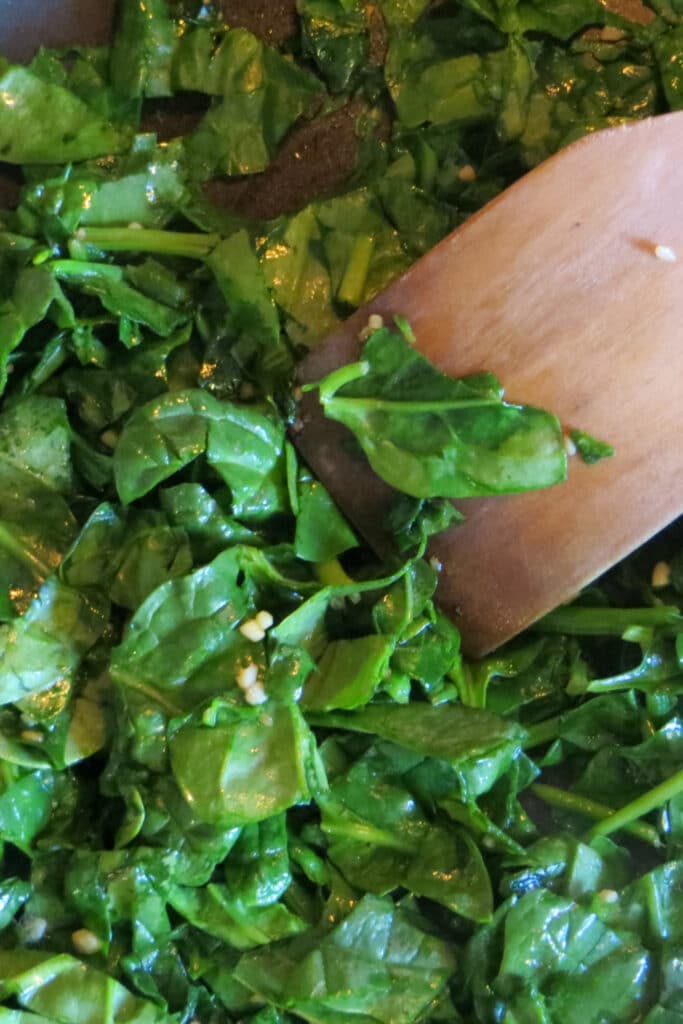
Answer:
(322, 533)
(589, 448)
(243, 443)
(46, 645)
(335, 36)
(431, 436)
(246, 768)
(259, 96)
(143, 48)
(45, 123)
(376, 965)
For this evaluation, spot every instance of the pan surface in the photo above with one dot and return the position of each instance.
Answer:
(25, 24)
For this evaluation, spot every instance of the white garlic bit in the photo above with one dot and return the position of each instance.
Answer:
(86, 942)
(264, 619)
(661, 575)
(251, 630)
(665, 253)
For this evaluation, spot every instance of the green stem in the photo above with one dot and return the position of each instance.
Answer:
(352, 287)
(364, 832)
(568, 801)
(338, 379)
(331, 574)
(82, 271)
(641, 806)
(390, 406)
(542, 732)
(170, 243)
(471, 690)
(608, 621)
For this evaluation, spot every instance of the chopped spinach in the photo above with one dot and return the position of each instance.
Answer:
(246, 773)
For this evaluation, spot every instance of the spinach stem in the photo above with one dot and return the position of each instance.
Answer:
(542, 732)
(608, 621)
(394, 405)
(332, 574)
(642, 805)
(338, 379)
(364, 832)
(83, 270)
(578, 804)
(352, 287)
(171, 243)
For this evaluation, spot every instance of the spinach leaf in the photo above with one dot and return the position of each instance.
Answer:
(348, 674)
(64, 989)
(257, 868)
(26, 807)
(153, 553)
(119, 298)
(322, 533)
(178, 668)
(252, 318)
(377, 964)
(44, 123)
(299, 278)
(335, 36)
(143, 49)
(561, 20)
(243, 443)
(479, 746)
(192, 509)
(381, 839)
(35, 294)
(668, 49)
(46, 644)
(144, 186)
(259, 96)
(429, 83)
(431, 436)
(589, 448)
(241, 926)
(244, 768)
(36, 528)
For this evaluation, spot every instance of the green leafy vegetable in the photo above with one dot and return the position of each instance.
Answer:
(259, 95)
(246, 773)
(589, 448)
(45, 123)
(431, 436)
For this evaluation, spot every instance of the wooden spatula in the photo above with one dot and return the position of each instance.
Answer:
(569, 287)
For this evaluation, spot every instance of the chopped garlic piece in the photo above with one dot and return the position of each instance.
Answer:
(375, 323)
(86, 942)
(661, 575)
(256, 694)
(252, 631)
(569, 445)
(665, 253)
(467, 173)
(31, 736)
(32, 929)
(264, 619)
(247, 676)
(109, 438)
